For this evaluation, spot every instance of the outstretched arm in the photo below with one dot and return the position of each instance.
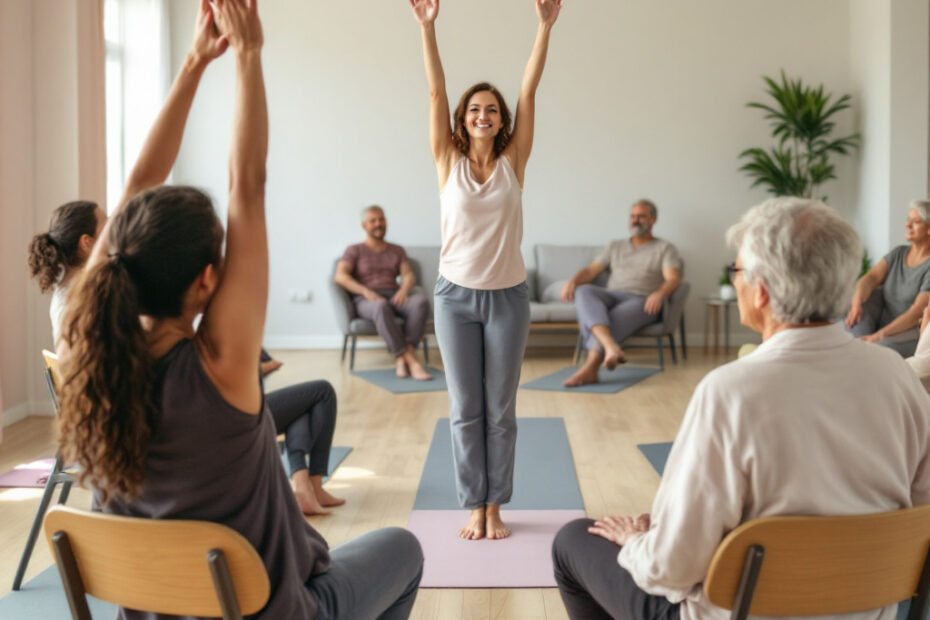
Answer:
(440, 130)
(521, 142)
(163, 141)
(230, 334)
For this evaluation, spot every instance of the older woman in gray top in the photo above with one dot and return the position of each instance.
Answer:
(168, 421)
(891, 297)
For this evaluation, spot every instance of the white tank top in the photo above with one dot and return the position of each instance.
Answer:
(482, 228)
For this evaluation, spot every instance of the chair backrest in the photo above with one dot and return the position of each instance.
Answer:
(51, 364)
(158, 565)
(825, 565)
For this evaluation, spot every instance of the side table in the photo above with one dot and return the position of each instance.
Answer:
(713, 305)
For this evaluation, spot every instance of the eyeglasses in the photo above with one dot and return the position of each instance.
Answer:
(732, 270)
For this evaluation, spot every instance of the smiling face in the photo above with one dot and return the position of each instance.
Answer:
(483, 115)
(374, 223)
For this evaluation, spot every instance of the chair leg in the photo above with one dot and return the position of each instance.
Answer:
(222, 582)
(37, 523)
(65, 489)
(352, 354)
(345, 342)
(684, 348)
(747, 582)
(661, 347)
(671, 347)
(920, 603)
(70, 576)
(425, 351)
(578, 346)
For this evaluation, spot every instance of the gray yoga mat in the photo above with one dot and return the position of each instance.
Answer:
(544, 476)
(609, 381)
(337, 454)
(656, 454)
(387, 380)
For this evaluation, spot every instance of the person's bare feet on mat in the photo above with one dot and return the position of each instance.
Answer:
(476, 525)
(306, 497)
(493, 525)
(613, 357)
(400, 368)
(322, 495)
(588, 371)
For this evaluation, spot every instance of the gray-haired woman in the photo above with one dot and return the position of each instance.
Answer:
(889, 315)
(814, 422)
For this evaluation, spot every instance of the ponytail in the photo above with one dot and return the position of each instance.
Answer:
(46, 260)
(107, 408)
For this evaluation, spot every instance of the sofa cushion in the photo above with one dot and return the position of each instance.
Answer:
(555, 263)
(561, 312)
(539, 313)
(553, 292)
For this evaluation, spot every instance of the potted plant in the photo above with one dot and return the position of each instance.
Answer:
(802, 120)
(727, 292)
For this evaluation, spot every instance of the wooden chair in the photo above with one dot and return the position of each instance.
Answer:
(57, 476)
(798, 566)
(176, 567)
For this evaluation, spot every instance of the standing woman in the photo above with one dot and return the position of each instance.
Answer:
(481, 301)
(168, 421)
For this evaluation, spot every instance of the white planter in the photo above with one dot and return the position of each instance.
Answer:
(727, 292)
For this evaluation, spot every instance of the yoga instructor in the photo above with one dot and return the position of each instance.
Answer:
(481, 302)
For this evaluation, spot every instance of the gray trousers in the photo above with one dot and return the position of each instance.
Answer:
(306, 414)
(623, 313)
(414, 312)
(875, 316)
(373, 576)
(482, 336)
(593, 586)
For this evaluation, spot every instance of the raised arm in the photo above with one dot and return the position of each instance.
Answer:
(521, 142)
(231, 331)
(440, 128)
(161, 146)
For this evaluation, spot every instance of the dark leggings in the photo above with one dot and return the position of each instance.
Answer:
(594, 586)
(306, 414)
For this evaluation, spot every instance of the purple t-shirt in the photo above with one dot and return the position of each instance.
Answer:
(376, 270)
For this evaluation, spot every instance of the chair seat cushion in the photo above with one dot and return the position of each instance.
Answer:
(364, 327)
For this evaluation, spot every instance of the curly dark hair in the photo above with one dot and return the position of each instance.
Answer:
(460, 133)
(158, 244)
(54, 251)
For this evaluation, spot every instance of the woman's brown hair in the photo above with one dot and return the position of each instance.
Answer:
(460, 133)
(158, 244)
(53, 252)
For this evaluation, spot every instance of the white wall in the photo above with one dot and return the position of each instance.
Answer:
(639, 98)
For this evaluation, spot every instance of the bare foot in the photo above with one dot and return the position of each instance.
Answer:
(400, 368)
(417, 371)
(306, 497)
(588, 371)
(270, 366)
(614, 357)
(322, 495)
(476, 524)
(493, 524)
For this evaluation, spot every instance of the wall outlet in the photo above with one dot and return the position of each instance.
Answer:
(300, 296)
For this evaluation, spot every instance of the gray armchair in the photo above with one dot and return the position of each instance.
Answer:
(352, 326)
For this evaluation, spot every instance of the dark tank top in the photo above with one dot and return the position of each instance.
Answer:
(209, 461)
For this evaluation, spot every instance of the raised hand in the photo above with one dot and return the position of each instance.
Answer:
(207, 44)
(238, 21)
(425, 11)
(548, 11)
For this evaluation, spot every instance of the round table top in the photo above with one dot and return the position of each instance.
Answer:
(716, 300)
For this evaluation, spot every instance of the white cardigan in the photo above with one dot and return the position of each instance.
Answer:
(813, 422)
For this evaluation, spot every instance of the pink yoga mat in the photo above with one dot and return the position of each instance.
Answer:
(521, 561)
(32, 474)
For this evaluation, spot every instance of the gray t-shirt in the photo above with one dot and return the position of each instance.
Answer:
(902, 284)
(209, 461)
(638, 270)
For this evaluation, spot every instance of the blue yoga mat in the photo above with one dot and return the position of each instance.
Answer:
(43, 598)
(337, 454)
(544, 475)
(656, 454)
(387, 380)
(609, 381)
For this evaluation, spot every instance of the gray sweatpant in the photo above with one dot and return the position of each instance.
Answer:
(482, 336)
(414, 312)
(875, 316)
(623, 313)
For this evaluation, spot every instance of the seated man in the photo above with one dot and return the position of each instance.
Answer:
(644, 271)
(369, 271)
(814, 422)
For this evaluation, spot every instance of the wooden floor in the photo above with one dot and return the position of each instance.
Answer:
(390, 435)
